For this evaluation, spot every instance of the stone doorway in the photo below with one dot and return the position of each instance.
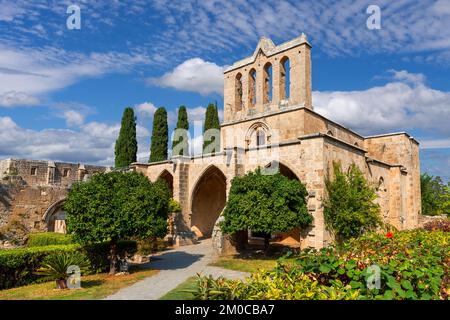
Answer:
(208, 201)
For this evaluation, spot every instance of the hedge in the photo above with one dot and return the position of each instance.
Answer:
(47, 239)
(17, 266)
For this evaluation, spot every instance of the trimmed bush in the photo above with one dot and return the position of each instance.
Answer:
(48, 239)
(18, 266)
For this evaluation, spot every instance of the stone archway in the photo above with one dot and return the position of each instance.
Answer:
(167, 177)
(55, 217)
(207, 202)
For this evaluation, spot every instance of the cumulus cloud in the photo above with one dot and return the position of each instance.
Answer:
(405, 103)
(73, 118)
(194, 75)
(13, 99)
(92, 142)
(145, 109)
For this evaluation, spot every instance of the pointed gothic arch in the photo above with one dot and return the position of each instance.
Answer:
(208, 200)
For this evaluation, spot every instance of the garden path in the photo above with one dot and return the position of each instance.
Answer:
(176, 266)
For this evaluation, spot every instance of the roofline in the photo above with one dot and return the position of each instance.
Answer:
(268, 51)
(392, 134)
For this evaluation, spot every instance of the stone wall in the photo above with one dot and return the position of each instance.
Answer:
(29, 187)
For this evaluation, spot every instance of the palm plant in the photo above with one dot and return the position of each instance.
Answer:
(55, 267)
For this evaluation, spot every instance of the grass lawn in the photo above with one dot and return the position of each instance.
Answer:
(177, 294)
(247, 263)
(93, 287)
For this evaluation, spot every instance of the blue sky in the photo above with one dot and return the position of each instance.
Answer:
(62, 92)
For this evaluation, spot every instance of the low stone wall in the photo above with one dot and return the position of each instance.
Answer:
(423, 219)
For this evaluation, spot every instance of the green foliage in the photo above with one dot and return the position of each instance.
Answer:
(160, 136)
(117, 205)
(174, 206)
(279, 284)
(48, 238)
(54, 267)
(126, 144)
(211, 122)
(349, 209)
(183, 124)
(17, 266)
(435, 195)
(265, 203)
(413, 265)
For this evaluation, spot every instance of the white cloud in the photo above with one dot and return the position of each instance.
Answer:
(14, 98)
(194, 75)
(435, 144)
(27, 73)
(398, 105)
(90, 143)
(145, 109)
(73, 118)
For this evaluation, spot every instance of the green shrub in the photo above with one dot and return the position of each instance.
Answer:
(349, 208)
(413, 265)
(265, 203)
(47, 239)
(55, 267)
(18, 266)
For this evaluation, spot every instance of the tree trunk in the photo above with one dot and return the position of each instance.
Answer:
(113, 261)
(61, 284)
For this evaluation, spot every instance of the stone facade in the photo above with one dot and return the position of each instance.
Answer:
(32, 194)
(269, 121)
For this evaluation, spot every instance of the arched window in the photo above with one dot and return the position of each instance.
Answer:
(260, 137)
(381, 186)
(267, 83)
(285, 78)
(238, 92)
(252, 89)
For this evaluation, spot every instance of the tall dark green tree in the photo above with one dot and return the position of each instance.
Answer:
(181, 134)
(126, 144)
(160, 136)
(211, 122)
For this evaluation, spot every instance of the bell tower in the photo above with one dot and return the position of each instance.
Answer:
(272, 79)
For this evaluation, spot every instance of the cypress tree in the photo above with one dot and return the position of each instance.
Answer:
(126, 144)
(182, 123)
(211, 122)
(160, 136)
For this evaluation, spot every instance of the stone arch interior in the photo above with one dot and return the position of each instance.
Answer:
(238, 91)
(285, 78)
(167, 177)
(267, 83)
(208, 201)
(55, 218)
(252, 89)
(283, 169)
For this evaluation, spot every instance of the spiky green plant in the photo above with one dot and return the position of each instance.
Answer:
(55, 267)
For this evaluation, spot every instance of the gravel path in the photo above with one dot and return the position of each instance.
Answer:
(175, 266)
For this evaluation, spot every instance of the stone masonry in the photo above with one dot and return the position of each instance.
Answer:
(32, 194)
(269, 121)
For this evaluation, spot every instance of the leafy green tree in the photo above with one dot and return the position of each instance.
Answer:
(126, 144)
(349, 208)
(114, 206)
(433, 194)
(211, 122)
(445, 200)
(160, 136)
(265, 204)
(181, 134)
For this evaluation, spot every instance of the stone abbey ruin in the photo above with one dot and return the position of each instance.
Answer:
(269, 122)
